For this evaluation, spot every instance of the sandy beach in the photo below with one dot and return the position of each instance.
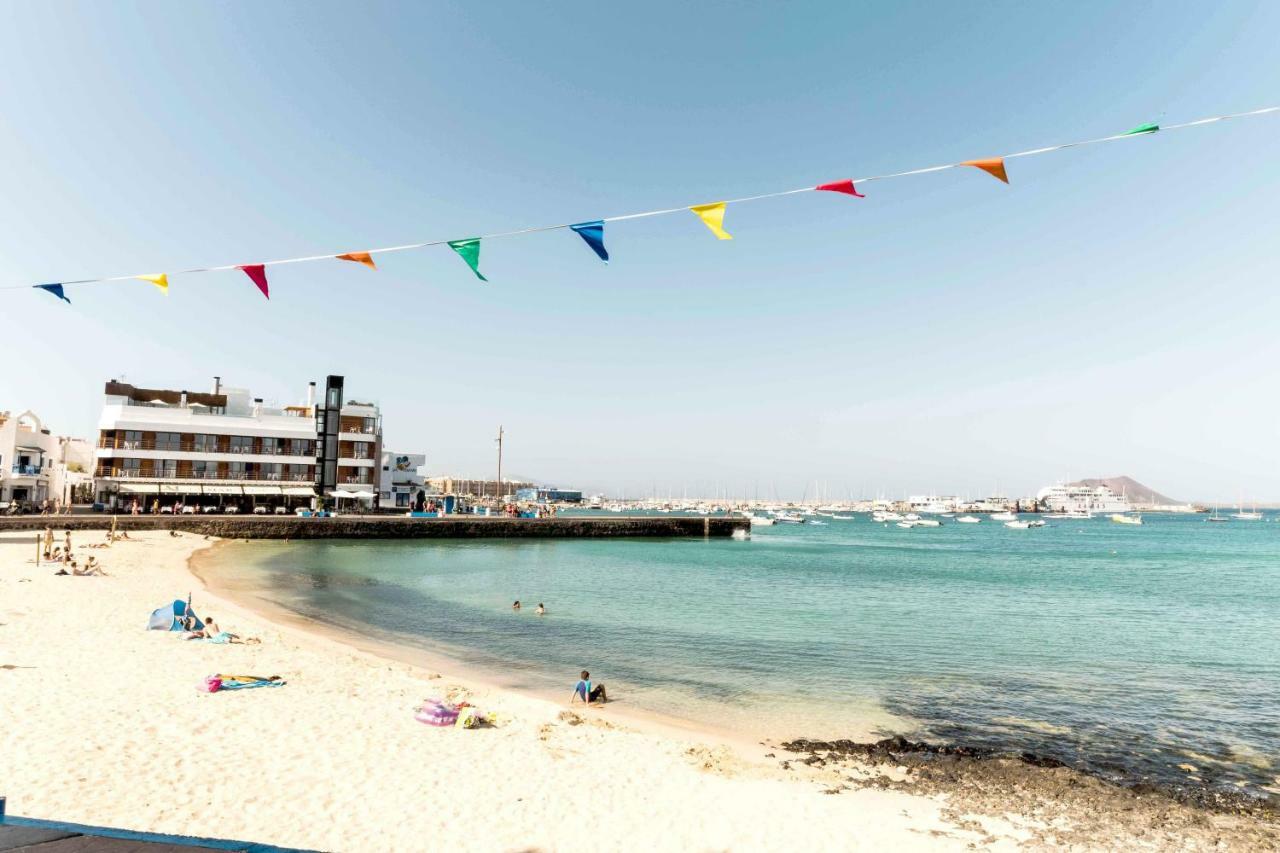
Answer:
(103, 724)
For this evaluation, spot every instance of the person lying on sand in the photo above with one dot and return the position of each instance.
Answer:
(215, 634)
(588, 694)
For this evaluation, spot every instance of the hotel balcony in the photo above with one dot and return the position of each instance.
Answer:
(230, 476)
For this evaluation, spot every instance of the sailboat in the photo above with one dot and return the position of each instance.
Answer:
(1215, 516)
(1247, 516)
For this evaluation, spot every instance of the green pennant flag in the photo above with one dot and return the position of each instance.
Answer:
(469, 251)
(1150, 127)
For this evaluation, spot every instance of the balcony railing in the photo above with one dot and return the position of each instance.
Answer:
(27, 470)
(364, 481)
(200, 447)
(257, 476)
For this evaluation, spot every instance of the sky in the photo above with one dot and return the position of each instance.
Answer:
(1111, 311)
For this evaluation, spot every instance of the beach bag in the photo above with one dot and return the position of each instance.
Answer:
(211, 684)
(436, 713)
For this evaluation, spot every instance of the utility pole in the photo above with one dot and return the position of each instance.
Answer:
(499, 440)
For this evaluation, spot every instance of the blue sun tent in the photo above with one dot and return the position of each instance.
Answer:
(169, 617)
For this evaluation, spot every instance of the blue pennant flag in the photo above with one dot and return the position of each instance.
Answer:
(56, 290)
(593, 233)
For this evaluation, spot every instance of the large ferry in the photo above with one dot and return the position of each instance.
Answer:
(1077, 498)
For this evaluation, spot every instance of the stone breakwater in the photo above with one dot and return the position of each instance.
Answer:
(384, 527)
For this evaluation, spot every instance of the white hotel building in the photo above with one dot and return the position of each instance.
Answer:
(226, 448)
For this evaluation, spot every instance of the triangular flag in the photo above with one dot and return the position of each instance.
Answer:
(258, 274)
(56, 290)
(359, 258)
(712, 216)
(469, 251)
(593, 233)
(1149, 127)
(993, 167)
(845, 186)
(160, 280)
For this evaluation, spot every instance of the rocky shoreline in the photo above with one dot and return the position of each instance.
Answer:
(1067, 806)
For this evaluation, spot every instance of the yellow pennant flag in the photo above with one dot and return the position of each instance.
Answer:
(160, 280)
(712, 216)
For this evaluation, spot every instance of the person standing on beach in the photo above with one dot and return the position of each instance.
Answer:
(48, 541)
(66, 543)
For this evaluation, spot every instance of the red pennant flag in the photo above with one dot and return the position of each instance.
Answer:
(845, 186)
(360, 258)
(258, 274)
(993, 167)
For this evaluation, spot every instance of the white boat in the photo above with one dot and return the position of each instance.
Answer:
(911, 516)
(1120, 518)
(788, 518)
(760, 520)
(1017, 525)
(907, 524)
(968, 519)
(1215, 516)
(928, 522)
(882, 515)
(1077, 497)
(818, 523)
(1247, 516)
(845, 517)
(1004, 516)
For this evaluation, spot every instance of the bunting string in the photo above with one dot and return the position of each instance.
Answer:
(712, 216)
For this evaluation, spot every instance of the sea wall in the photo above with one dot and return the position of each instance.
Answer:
(382, 527)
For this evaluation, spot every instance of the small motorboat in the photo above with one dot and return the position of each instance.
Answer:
(928, 522)
(968, 519)
(760, 520)
(1004, 516)
(1121, 518)
(1023, 525)
(907, 525)
(816, 522)
(844, 517)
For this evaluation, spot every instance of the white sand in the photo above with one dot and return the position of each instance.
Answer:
(101, 723)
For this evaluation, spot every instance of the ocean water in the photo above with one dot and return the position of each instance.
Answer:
(1124, 651)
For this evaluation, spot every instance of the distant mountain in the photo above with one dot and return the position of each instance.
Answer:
(1135, 491)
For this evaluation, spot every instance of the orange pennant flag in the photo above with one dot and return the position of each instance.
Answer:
(993, 167)
(359, 258)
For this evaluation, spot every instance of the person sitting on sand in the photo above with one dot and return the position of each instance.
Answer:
(56, 556)
(542, 610)
(588, 694)
(516, 606)
(91, 567)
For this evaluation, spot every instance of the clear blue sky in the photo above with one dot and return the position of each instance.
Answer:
(1112, 311)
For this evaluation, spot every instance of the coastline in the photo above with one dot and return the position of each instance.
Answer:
(106, 727)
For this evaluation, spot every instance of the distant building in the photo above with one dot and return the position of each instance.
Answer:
(36, 466)
(538, 494)
(227, 447)
(401, 478)
(476, 488)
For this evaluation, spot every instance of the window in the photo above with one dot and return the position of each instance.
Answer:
(241, 444)
(168, 441)
(301, 447)
(271, 470)
(200, 469)
(270, 446)
(132, 439)
(130, 467)
(205, 443)
(235, 470)
(168, 468)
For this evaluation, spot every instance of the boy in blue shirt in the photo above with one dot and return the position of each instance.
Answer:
(588, 694)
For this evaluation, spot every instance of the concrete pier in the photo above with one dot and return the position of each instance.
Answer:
(389, 527)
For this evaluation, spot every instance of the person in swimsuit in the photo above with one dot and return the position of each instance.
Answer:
(516, 606)
(542, 610)
(586, 692)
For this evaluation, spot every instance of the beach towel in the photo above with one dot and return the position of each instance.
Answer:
(214, 683)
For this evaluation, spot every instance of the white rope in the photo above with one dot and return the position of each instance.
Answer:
(668, 210)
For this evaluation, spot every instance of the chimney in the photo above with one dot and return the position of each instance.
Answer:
(257, 407)
(217, 384)
(182, 401)
(311, 395)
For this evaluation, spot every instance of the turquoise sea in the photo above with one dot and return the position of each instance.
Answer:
(1125, 651)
